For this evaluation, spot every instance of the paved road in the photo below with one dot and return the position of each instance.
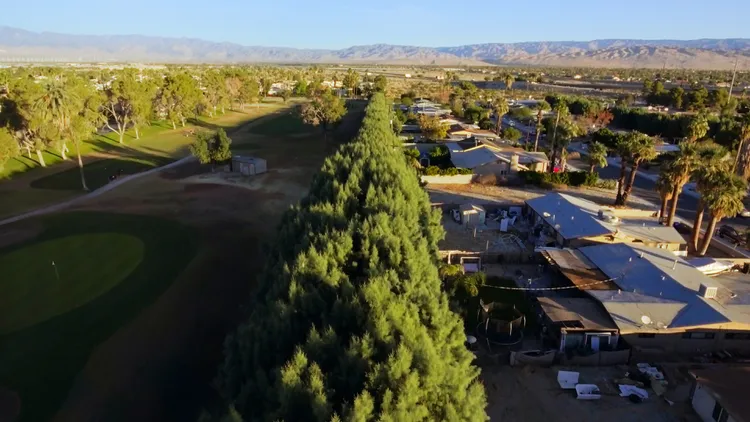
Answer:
(686, 205)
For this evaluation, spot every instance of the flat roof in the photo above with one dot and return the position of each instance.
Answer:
(663, 287)
(575, 218)
(729, 385)
(585, 311)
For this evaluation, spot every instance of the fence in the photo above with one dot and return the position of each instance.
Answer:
(601, 358)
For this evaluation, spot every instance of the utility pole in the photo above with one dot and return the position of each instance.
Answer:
(734, 75)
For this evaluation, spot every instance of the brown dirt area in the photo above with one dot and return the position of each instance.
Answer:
(531, 394)
(160, 366)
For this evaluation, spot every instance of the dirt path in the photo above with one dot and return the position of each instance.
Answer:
(22, 182)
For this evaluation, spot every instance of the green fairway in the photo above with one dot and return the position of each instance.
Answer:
(110, 267)
(287, 123)
(49, 278)
(98, 173)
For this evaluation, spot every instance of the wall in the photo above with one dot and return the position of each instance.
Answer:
(603, 358)
(499, 168)
(672, 342)
(459, 179)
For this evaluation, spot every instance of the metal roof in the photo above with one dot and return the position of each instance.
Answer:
(663, 287)
(586, 311)
(572, 217)
(578, 218)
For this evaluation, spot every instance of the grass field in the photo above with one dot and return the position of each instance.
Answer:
(286, 124)
(159, 139)
(32, 186)
(110, 267)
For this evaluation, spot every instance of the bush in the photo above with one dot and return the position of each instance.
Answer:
(488, 179)
(450, 171)
(610, 184)
(568, 178)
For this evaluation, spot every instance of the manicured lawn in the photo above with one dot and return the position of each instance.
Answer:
(287, 123)
(110, 268)
(49, 278)
(98, 173)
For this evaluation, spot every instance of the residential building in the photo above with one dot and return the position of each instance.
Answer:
(484, 159)
(660, 303)
(721, 394)
(578, 322)
(568, 221)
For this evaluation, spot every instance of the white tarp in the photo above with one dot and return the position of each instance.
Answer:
(710, 266)
(626, 390)
(567, 379)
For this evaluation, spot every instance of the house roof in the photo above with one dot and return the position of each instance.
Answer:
(663, 287)
(578, 269)
(729, 386)
(574, 218)
(471, 158)
(245, 159)
(585, 311)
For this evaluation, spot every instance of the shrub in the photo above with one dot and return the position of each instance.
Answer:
(450, 171)
(568, 178)
(488, 179)
(610, 184)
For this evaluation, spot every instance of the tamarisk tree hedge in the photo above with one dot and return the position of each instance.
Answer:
(350, 322)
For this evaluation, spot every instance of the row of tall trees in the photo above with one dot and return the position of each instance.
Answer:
(350, 322)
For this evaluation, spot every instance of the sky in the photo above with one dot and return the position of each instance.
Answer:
(341, 24)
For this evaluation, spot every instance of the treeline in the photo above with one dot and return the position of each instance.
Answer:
(350, 322)
(50, 108)
(724, 130)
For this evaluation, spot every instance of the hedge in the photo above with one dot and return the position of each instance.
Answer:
(450, 171)
(570, 178)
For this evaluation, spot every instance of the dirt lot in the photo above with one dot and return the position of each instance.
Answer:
(160, 366)
(531, 394)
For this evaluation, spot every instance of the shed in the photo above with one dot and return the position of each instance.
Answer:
(248, 165)
(472, 214)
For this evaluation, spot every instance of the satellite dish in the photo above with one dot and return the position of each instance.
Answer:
(471, 339)
(646, 319)
(660, 325)
(546, 214)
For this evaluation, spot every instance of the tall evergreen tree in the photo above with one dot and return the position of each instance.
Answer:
(350, 322)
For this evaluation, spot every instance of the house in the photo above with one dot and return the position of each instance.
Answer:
(663, 304)
(578, 322)
(721, 394)
(484, 159)
(573, 222)
(248, 166)
(464, 131)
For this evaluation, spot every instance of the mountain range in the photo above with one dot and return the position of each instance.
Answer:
(21, 45)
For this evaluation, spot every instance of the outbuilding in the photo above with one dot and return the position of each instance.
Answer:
(248, 166)
(472, 214)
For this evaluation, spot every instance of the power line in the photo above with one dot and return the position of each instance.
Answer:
(594, 283)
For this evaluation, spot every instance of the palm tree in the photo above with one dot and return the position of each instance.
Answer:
(682, 167)
(665, 188)
(641, 148)
(509, 79)
(539, 128)
(710, 166)
(724, 198)
(597, 156)
(55, 105)
(697, 128)
(501, 109)
(560, 108)
(744, 136)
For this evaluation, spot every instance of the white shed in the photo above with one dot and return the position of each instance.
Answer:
(472, 214)
(248, 165)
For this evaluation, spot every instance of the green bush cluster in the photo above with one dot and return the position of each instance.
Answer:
(450, 171)
(350, 322)
(568, 178)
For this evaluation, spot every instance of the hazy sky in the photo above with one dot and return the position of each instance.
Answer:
(338, 24)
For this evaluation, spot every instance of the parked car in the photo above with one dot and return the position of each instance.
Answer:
(732, 233)
(682, 228)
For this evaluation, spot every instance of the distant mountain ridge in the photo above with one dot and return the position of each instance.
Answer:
(17, 44)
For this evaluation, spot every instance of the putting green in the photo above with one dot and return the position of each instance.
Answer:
(85, 266)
